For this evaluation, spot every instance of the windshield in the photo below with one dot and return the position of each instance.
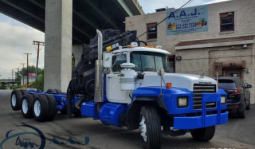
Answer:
(147, 61)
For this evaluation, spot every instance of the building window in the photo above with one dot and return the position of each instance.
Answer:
(227, 22)
(152, 31)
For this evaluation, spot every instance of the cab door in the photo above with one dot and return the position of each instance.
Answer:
(113, 91)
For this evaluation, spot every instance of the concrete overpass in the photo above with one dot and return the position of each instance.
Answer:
(67, 23)
(6, 82)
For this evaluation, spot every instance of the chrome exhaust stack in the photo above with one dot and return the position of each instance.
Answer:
(99, 70)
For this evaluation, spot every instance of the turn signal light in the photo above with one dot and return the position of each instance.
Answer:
(168, 85)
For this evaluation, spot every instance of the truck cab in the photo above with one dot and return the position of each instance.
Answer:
(154, 100)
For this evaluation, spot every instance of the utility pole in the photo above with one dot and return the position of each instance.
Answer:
(12, 75)
(38, 43)
(27, 67)
(21, 72)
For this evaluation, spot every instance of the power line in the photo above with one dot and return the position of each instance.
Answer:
(166, 17)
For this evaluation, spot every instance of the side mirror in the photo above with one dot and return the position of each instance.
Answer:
(107, 58)
(249, 86)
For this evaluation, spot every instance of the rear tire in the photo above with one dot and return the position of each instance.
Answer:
(40, 108)
(58, 91)
(16, 100)
(24, 92)
(52, 107)
(27, 106)
(51, 91)
(203, 134)
(150, 128)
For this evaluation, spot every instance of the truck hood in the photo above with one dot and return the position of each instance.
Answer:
(178, 80)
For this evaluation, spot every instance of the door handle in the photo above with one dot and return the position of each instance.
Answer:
(109, 77)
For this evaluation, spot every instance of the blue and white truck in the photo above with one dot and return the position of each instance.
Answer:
(124, 84)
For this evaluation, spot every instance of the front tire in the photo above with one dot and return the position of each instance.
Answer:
(203, 134)
(150, 128)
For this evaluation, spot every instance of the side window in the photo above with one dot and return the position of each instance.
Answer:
(136, 59)
(159, 62)
(117, 60)
(152, 31)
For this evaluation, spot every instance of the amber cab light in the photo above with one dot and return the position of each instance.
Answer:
(168, 85)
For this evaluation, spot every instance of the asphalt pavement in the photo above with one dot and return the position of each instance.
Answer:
(86, 133)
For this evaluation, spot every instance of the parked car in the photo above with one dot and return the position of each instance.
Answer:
(238, 94)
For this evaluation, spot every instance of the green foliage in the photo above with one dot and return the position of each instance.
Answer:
(40, 81)
(31, 69)
(2, 87)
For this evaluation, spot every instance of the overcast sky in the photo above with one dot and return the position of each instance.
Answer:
(16, 38)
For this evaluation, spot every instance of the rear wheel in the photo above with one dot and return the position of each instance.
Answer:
(58, 91)
(52, 107)
(51, 91)
(16, 100)
(203, 134)
(24, 92)
(27, 106)
(40, 108)
(150, 128)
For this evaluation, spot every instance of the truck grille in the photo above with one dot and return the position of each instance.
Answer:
(198, 89)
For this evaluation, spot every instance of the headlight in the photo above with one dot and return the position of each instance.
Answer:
(223, 100)
(182, 101)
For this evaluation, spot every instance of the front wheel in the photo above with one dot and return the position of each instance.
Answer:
(150, 128)
(203, 134)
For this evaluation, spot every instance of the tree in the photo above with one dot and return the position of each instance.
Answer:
(40, 80)
(31, 69)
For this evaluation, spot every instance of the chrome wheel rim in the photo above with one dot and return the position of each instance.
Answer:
(143, 129)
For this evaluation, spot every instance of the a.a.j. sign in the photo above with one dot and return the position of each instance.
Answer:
(187, 20)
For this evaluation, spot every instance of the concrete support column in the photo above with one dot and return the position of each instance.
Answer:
(58, 44)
